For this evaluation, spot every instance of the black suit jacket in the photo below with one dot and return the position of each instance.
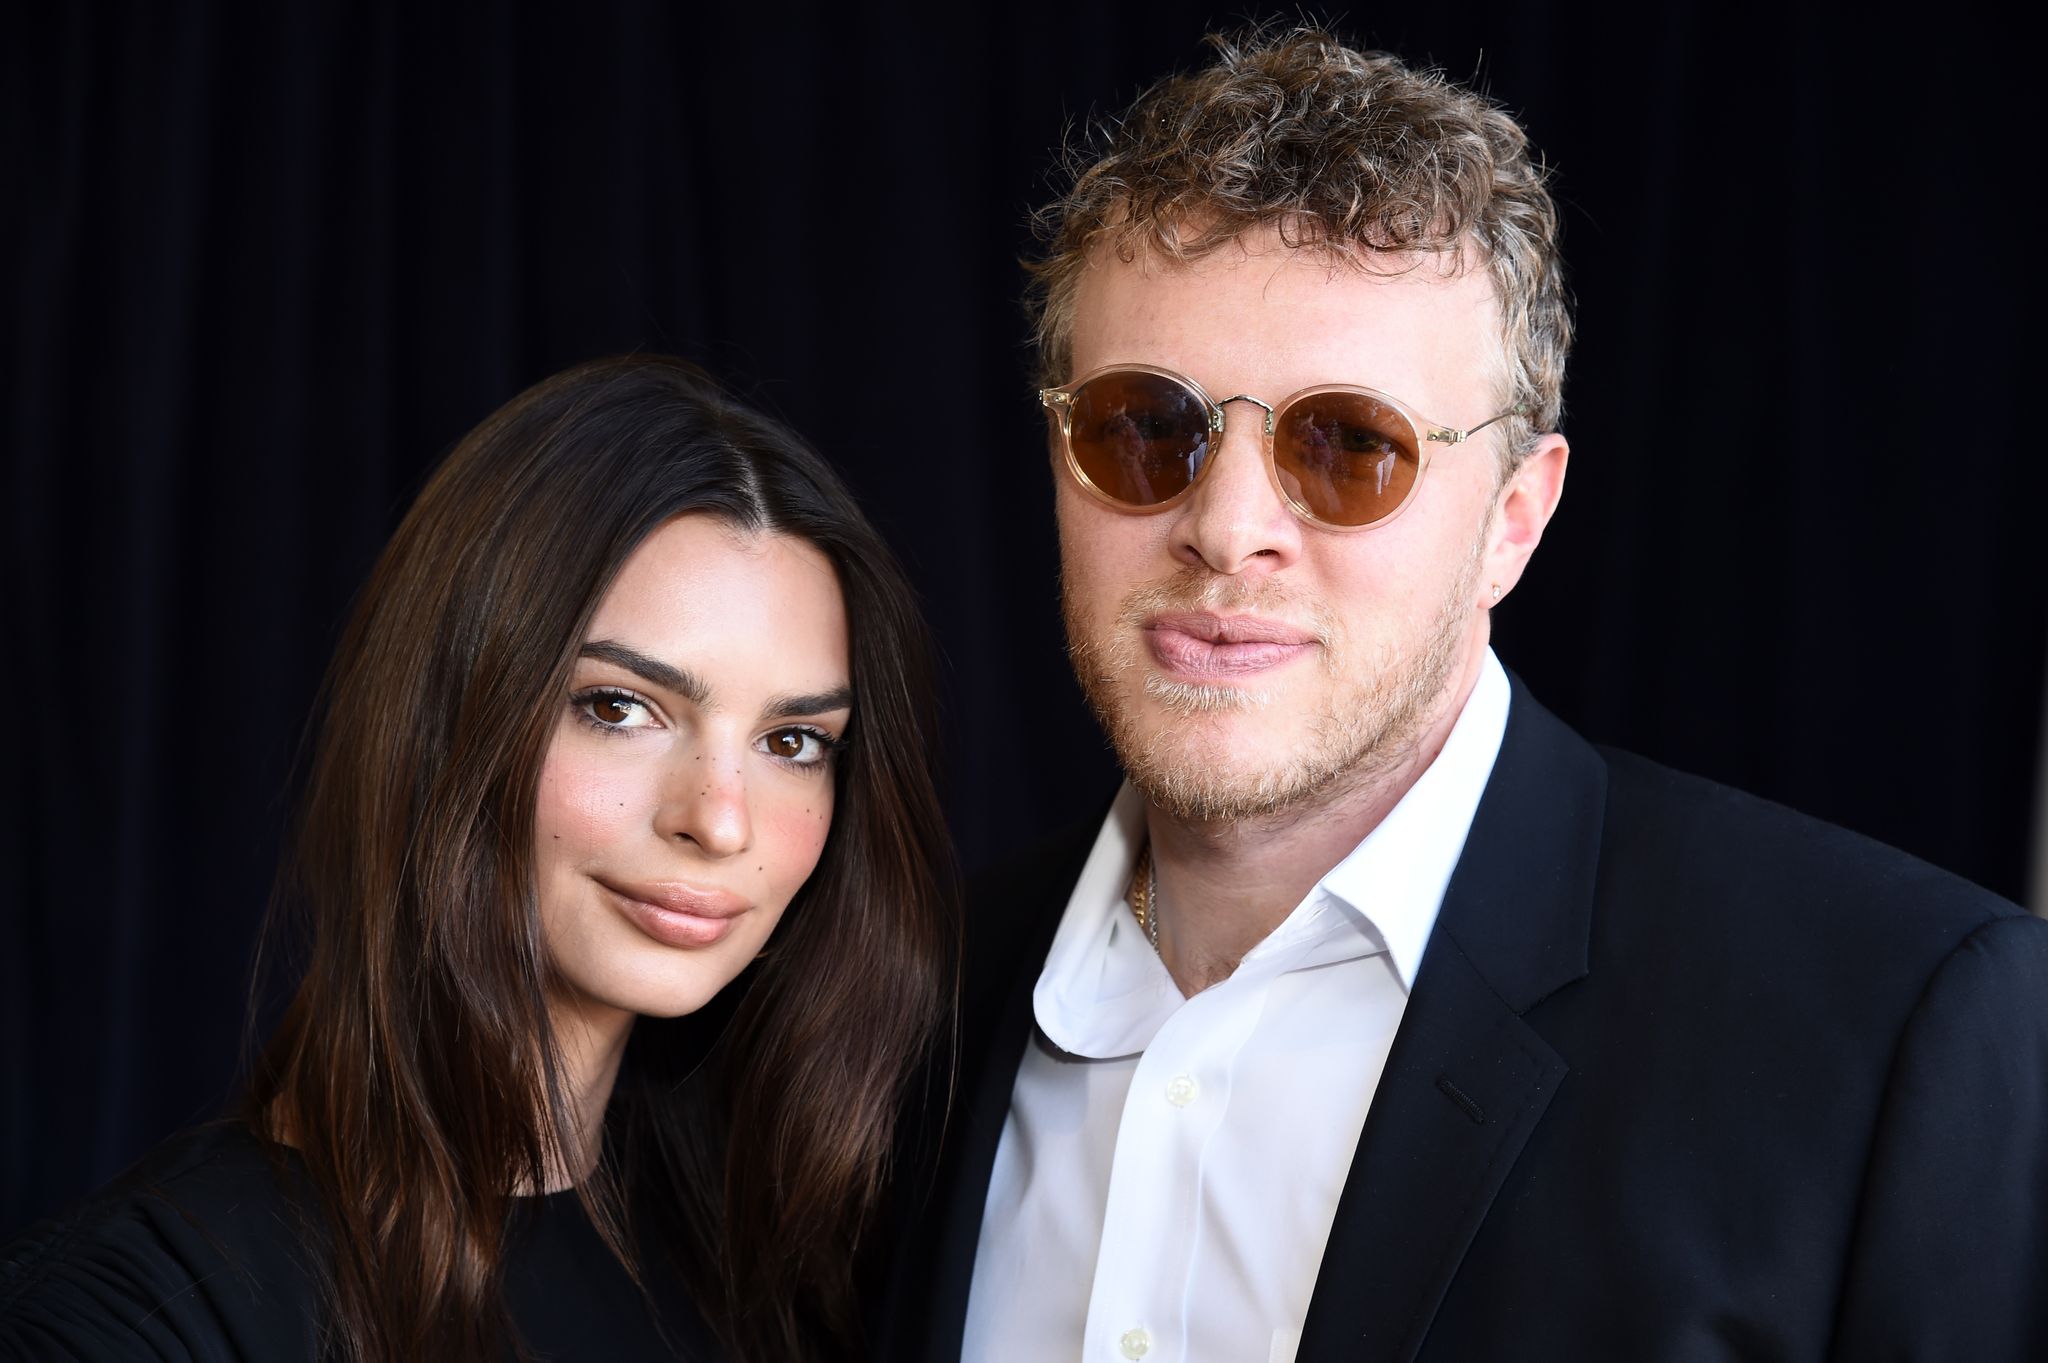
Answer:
(1684, 1076)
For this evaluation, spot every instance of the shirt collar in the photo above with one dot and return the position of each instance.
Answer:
(1397, 876)
(1103, 992)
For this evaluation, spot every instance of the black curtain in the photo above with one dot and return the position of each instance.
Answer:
(267, 263)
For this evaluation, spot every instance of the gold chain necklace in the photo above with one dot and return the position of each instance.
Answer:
(1143, 896)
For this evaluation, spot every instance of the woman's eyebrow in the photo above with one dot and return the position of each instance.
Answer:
(817, 703)
(688, 685)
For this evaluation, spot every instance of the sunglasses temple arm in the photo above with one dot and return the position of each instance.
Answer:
(1451, 437)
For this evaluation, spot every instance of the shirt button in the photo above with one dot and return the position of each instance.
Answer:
(1181, 1090)
(1136, 1343)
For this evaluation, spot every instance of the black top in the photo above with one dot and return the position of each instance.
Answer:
(197, 1254)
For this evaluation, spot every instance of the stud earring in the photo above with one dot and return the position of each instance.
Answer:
(1496, 591)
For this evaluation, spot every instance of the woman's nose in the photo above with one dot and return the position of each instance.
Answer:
(706, 803)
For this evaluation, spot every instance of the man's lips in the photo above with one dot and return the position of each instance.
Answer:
(1198, 646)
(677, 914)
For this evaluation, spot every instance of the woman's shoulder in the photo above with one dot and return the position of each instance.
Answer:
(200, 1251)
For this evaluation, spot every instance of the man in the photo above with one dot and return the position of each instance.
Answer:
(1381, 1017)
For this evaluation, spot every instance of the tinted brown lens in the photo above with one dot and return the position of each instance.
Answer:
(1139, 438)
(1345, 458)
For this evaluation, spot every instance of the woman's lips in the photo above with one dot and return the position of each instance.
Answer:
(678, 915)
(1209, 648)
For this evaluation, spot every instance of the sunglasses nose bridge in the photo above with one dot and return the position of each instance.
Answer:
(1245, 397)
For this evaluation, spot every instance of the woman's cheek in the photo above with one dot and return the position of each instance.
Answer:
(582, 802)
(799, 829)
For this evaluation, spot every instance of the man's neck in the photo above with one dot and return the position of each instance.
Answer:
(1223, 887)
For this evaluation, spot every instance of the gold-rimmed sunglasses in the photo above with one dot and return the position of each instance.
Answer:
(1344, 458)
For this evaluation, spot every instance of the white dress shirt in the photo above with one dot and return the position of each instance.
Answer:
(1171, 1166)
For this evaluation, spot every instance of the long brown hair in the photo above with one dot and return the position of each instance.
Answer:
(415, 1071)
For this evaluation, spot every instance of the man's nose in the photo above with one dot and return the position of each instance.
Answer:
(1235, 522)
(705, 802)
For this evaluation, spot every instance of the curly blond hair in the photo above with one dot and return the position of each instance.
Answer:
(1348, 152)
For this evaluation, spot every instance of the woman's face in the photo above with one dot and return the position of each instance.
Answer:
(688, 788)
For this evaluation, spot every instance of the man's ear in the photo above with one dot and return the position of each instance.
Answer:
(1521, 510)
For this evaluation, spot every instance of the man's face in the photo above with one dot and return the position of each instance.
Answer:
(1243, 662)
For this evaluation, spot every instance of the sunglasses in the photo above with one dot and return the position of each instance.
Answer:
(1344, 458)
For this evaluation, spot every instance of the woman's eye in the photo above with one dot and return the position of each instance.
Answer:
(612, 710)
(803, 747)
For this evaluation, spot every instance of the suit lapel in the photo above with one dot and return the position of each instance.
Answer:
(963, 1191)
(1467, 1079)
(1013, 921)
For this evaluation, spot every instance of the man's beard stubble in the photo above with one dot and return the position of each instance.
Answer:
(1373, 720)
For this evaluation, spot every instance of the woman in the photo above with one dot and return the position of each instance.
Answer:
(633, 686)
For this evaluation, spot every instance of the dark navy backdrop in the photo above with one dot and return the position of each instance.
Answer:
(265, 264)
